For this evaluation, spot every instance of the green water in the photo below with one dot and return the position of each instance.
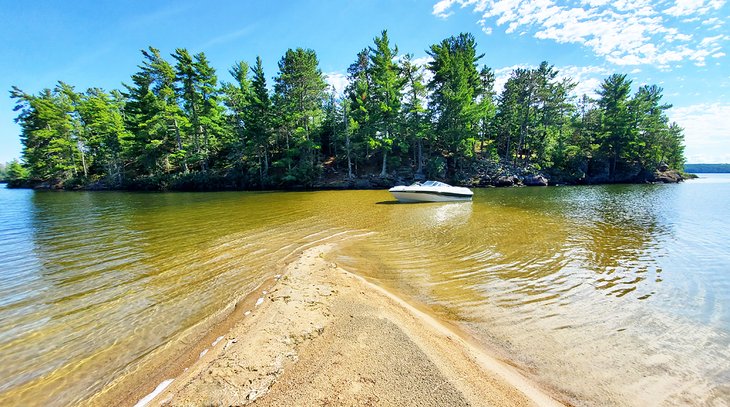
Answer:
(605, 295)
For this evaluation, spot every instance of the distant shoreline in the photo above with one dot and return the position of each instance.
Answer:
(220, 183)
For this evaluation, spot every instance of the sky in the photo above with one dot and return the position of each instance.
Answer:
(681, 46)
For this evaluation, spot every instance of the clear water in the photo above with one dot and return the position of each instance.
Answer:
(603, 294)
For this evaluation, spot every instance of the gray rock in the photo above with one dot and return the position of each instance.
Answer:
(535, 181)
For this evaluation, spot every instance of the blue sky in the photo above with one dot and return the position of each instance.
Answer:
(679, 45)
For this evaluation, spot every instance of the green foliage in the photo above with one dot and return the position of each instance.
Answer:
(457, 87)
(15, 173)
(299, 92)
(176, 126)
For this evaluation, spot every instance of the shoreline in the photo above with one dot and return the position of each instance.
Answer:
(318, 334)
(130, 388)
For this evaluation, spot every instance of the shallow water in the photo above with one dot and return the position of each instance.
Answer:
(604, 294)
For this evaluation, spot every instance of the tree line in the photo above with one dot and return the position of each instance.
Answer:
(175, 125)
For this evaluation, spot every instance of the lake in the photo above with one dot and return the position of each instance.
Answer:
(616, 294)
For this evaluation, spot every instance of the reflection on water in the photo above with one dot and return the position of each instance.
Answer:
(606, 294)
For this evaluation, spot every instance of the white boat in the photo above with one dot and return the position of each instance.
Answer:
(430, 191)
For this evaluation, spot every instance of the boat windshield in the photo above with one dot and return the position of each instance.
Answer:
(435, 184)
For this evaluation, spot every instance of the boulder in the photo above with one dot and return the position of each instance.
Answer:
(361, 183)
(535, 181)
(506, 181)
(668, 177)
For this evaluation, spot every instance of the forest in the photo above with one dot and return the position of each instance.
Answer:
(175, 125)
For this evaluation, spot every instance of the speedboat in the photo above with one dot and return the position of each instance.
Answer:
(430, 191)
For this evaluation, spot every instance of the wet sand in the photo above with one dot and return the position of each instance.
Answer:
(323, 336)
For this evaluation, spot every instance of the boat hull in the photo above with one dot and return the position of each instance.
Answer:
(428, 196)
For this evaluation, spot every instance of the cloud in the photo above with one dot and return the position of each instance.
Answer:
(693, 7)
(439, 9)
(338, 81)
(706, 131)
(587, 78)
(624, 32)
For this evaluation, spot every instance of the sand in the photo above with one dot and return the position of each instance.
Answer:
(321, 336)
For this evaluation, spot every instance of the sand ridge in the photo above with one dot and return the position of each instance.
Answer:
(323, 336)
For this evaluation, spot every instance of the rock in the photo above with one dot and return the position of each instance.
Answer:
(668, 177)
(363, 184)
(663, 168)
(506, 181)
(535, 181)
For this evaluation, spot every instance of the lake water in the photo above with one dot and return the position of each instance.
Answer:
(604, 294)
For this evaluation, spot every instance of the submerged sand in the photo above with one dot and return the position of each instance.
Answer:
(323, 336)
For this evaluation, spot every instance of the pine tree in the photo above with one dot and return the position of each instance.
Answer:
(299, 93)
(456, 88)
(414, 114)
(385, 93)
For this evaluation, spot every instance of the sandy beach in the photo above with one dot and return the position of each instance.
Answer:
(319, 335)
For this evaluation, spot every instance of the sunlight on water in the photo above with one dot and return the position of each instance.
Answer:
(605, 294)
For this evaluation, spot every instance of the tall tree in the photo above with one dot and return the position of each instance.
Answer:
(456, 88)
(360, 103)
(259, 119)
(50, 147)
(154, 118)
(236, 98)
(385, 92)
(300, 90)
(105, 134)
(616, 124)
(415, 119)
(198, 89)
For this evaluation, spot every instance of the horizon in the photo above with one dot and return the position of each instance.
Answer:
(679, 46)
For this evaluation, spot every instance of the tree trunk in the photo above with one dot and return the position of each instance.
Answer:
(266, 161)
(419, 171)
(179, 144)
(385, 158)
(83, 163)
(349, 159)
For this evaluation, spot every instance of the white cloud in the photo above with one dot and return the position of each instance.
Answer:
(338, 81)
(693, 7)
(587, 78)
(439, 9)
(624, 32)
(706, 131)
(501, 75)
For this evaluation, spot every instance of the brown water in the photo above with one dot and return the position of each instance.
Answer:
(606, 295)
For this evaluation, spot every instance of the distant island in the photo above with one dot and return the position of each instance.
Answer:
(706, 168)
(176, 126)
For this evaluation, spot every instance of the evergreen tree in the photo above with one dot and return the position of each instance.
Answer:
(15, 173)
(259, 120)
(155, 119)
(299, 93)
(456, 88)
(414, 113)
(103, 126)
(385, 94)
(197, 87)
(236, 98)
(50, 148)
(616, 119)
(360, 105)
